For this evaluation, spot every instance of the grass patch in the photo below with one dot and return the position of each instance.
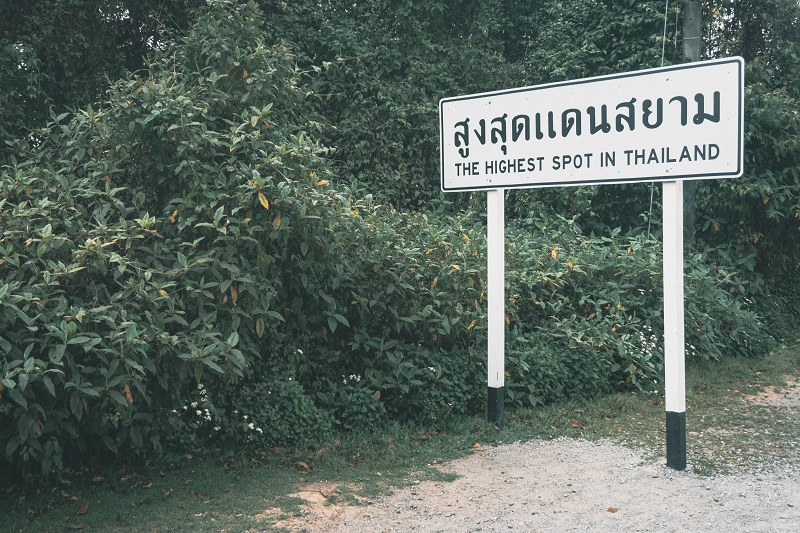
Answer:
(733, 425)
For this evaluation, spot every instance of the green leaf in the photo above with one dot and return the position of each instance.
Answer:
(118, 397)
(218, 214)
(24, 426)
(213, 366)
(233, 339)
(48, 384)
(76, 405)
(110, 444)
(276, 315)
(5, 345)
(13, 444)
(17, 396)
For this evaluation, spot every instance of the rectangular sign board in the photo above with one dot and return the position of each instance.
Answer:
(679, 122)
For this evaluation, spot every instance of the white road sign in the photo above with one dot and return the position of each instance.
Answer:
(679, 122)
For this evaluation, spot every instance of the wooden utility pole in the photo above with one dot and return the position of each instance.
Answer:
(692, 49)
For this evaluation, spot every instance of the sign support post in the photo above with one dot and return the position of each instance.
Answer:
(674, 340)
(496, 273)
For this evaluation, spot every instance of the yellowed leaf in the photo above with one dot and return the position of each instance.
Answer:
(172, 216)
(569, 264)
(276, 223)
(128, 396)
(471, 325)
(260, 327)
(234, 294)
(263, 200)
(508, 320)
(163, 293)
(377, 395)
(456, 267)
(435, 281)
(765, 199)
(321, 183)
(554, 253)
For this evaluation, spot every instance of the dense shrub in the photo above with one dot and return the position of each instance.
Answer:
(183, 257)
(118, 300)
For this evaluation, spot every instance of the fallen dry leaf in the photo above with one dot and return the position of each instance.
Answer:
(321, 451)
(612, 509)
(83, 508)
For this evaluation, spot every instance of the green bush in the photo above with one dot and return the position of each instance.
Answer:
(353, 403)
(183, 258)
(117, 301)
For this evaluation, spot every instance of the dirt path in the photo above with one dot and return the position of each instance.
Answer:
(576, 485)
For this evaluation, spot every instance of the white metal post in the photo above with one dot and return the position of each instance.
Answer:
(674, 346)
(495, 227)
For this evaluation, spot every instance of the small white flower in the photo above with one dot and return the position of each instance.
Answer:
(259, 430)
(251, 425)
(199, 412)
(216, 428)
(300, 351)
(194, 405)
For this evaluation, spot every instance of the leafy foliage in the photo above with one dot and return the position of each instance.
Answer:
(117, 301)
(187, 263)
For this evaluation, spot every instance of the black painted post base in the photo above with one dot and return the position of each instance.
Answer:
(495, 405)
(676, 440)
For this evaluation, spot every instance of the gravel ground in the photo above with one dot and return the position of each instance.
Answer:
(574, 485)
